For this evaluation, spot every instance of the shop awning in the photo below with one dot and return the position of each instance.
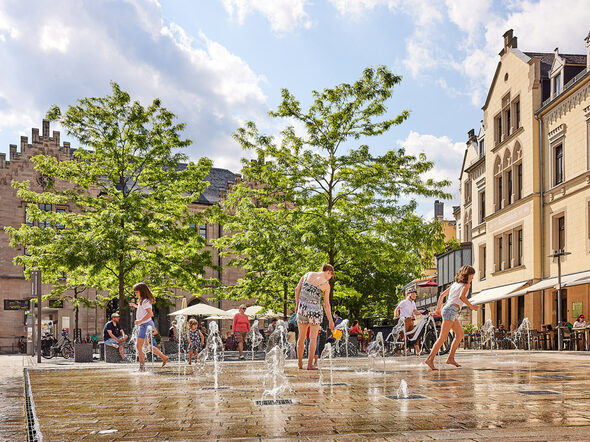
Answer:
(496, 293)
(566, 280)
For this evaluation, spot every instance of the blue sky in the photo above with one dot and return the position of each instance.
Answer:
(219, 63)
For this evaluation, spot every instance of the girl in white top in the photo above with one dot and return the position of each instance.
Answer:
(143, 317)
(456, 296)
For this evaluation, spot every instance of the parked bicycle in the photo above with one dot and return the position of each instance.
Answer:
(425, 333)
(50, 347)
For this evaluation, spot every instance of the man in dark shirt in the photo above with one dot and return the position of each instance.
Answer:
(114, 335)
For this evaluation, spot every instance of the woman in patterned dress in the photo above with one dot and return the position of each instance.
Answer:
(308, 305)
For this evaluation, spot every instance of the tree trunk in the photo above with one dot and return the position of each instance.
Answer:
(76, 309)
(124, 306)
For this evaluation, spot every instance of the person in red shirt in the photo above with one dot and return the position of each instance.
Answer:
(241, 326)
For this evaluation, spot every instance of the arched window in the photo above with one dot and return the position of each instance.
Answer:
(498, 191)
(508, 177)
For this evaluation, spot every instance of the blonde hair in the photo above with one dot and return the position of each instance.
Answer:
(192, 322)
(463, 274)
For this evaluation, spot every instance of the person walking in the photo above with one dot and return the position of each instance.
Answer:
(196, 340)
(308, 305)
(456, 296)
(241, 326)
(144, 316)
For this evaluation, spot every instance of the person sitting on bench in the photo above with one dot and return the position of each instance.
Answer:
(114, 334)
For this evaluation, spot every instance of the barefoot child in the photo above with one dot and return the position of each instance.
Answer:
(144, 316)
(196, 340)
(456, 296)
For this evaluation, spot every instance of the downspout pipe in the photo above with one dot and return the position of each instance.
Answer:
(542, 203)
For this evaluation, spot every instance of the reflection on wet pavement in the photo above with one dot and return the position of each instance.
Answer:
(486, 397)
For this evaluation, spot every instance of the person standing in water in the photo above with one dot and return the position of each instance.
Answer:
(456, 296)
(144, 316)
(308, 305)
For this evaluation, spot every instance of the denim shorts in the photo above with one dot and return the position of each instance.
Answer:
(450, 312)
(143, 329)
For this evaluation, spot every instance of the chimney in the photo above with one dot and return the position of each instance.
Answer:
(587, 40)
(439, 210)
(509, 40)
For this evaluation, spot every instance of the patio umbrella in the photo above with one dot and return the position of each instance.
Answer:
(269, 314)
(200, 309)
(428, 284)
(232, 312)
(253, 310)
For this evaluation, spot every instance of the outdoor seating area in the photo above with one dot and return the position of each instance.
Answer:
(574, 339)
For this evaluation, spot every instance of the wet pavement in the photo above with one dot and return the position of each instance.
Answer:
(494, 395)
(12, 399)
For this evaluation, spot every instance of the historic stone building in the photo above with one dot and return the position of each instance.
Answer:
(525, 188)
(15, 291)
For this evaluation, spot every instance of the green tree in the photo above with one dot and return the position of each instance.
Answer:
(128, 195)
(346, 206)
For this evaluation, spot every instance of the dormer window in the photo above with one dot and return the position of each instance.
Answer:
(557, 84)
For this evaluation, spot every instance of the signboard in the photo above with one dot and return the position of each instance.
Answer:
(576, 309)
(17, 304)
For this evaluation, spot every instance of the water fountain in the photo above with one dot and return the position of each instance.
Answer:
(376, 349)
(148, 343)
(213, 351)
(255, 337)
(180, 320)
(275, 381)
(402, 391)
(487, 333)
(396, 331)
(524, 327)
(326, 355)
(343, 326)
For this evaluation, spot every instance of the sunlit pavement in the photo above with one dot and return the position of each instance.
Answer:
(509, 395)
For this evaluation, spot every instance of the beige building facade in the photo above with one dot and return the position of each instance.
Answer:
(15, 290)
(513, 210)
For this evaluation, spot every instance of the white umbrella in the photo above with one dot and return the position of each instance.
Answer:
(232, 312)
(253, 310)
(218, 317)
(270, 314)
(200, 309)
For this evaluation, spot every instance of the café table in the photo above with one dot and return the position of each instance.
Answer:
(581, 334)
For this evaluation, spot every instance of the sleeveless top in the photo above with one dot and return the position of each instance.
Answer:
(455, 294)
(195, 343)
(310, 300)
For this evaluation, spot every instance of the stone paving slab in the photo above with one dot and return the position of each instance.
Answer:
(479, 401)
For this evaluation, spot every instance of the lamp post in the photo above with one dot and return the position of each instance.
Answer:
(558, 254)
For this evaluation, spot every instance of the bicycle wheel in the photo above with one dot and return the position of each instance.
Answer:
(429, 340)
(446, 347)
(67, 351)
(47, 353)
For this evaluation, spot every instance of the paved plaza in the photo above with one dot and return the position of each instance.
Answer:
(495, 395)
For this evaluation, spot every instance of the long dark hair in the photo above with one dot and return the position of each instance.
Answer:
(463, 274)
(144, 292)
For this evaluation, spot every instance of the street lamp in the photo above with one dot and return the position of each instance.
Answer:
(558, 254)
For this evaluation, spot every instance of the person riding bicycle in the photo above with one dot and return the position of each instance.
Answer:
(406, 310)
(114, 334)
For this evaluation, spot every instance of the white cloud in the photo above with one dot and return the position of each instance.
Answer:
(539, 25)
(283, 15)
(447, 157)
(65, 51)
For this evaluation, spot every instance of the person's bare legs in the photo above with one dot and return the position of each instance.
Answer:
(190, 357)
(122, 348)
(444, 332)
(313, 341)
(241, 348)
(301, 342)
(161, 355)
(140, 353)
(458, 337)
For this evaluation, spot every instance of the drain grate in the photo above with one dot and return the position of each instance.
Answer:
(33, 430)
(443, 380)
(275, 402)
(556, 376)
(410, 396)
(339, 384)
(538, 392)
(215, 388)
